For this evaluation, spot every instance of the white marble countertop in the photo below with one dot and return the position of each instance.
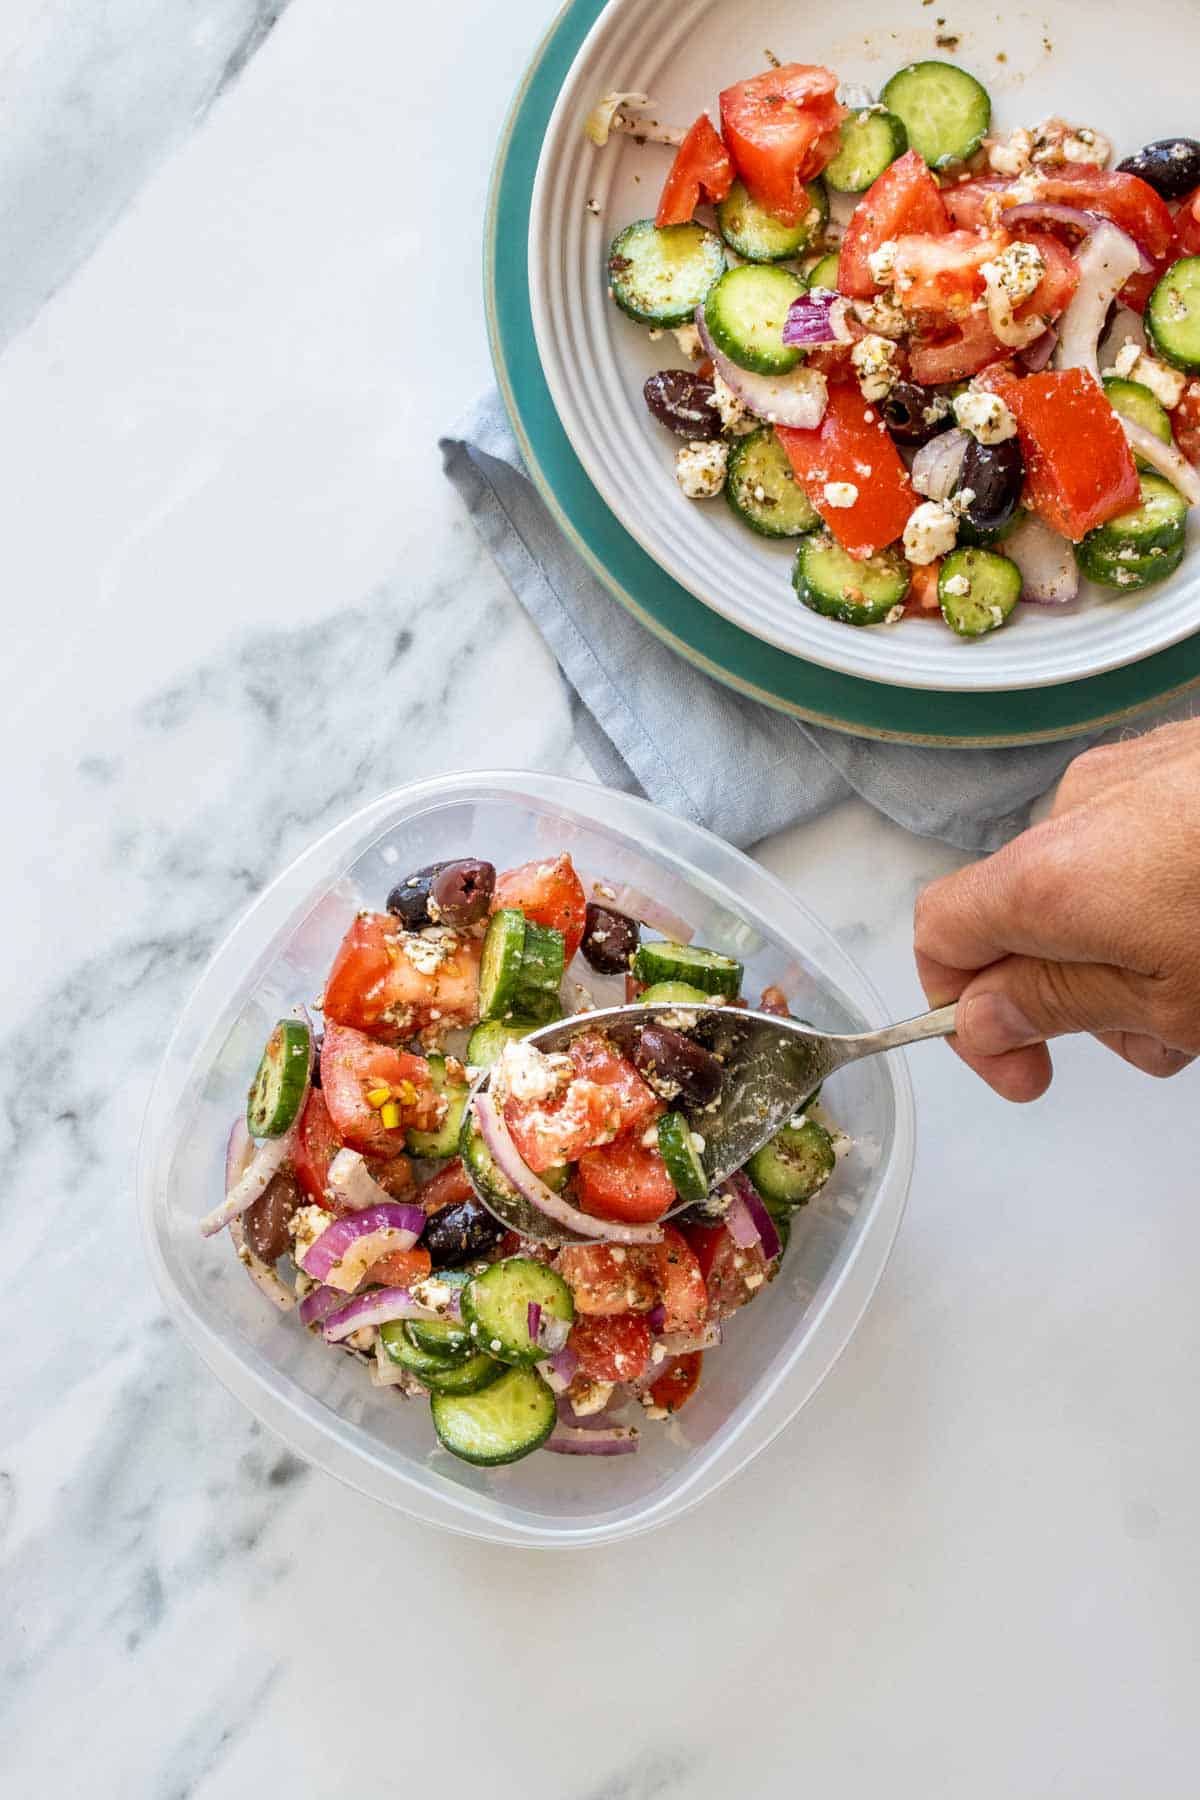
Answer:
(239, 599)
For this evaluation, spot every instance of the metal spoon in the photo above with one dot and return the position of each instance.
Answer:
(771, 1066)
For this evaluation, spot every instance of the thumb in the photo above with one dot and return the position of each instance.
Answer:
(1023, 1000)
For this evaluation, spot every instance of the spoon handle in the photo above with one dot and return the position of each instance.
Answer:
(893, 1037)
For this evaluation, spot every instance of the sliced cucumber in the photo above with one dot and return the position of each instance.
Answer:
(1126, 570)
(944, 110)
(835, 584)
(507, 1420)
(871, 142)
(279, 1087)
(763, 491)
(1135, 401)
(486, 1043)
(1173, 315)
(691, 964)
(791, 1168)
(758, 235)
(443, 1141)
(745, 313)
(660, 274)
(440, 1337)
(402, 1348)
(677, 1150)
(520, 969)
(496, 1307)
(1156, 523)
(480, 1166)
(825, 273)
(992, 589)
(674, 993)
(543, 964)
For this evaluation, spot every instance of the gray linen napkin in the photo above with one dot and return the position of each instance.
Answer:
(652, 724)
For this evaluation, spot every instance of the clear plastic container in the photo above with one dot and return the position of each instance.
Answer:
(776, 1351)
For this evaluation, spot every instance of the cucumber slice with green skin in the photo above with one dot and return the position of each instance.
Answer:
(444, 1141)
(543, 963)
(279, 1087)
(674, 993)
(871, 142)
(1173, 315)
(507, 1420)
(945, 111)
(1128, 572)
(993, 587)
(759, 236)
(679, 1153)
(470, 1376)
(825, 273)
(410, 1355)
(763, 491)
(690, 964)
(478, 1159)
(659, 275)
(833, 583)
(443, 1338)
(793, 1166)
(495, 1307)
(745, 313)
(1156, 523)
(1134, 401)
(486, 1043)
(500, 963)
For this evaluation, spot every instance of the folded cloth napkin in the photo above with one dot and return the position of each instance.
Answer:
(652, 724)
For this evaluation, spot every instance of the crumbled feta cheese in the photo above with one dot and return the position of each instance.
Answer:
(894, 614)
(428, 950)
(1056, 142)
(754, 1279)
(700, 468)
(874, 360)
(697, 1142)
(840, 493)
(735, 419)
(588, 1397)
(527, 1073)
(883, 315)
(882, 263)
(985, 416)
(306, 1225)
(1011, 155)
(932, 531)
(1125, 360)
(938, 407)
(1132, 363)
(957, 584)
(1015, 272)
(688, 339)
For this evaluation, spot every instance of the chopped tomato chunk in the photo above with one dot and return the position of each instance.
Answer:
(607, 1279)
(975, 205)
(317, 1143)
(848, 447)
(680, 1281)
(399, 1268)
(449, 1187)
(1185, 422)
(353, 1067)
(942, 274)
(1079, 469)
(923, 588)
(1126, 199)
(597, 1061)
(392, 984)
(549, 893)
(781, 128)
(626, 1180)
(965, 351)
(605, 1097)
(701, 170)
(733, 1276)
(678, 1382)
(905, 200)
(616, 1349)
(1187, 225)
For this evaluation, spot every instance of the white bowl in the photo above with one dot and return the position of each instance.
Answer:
(1101, 66)
(776, 1352)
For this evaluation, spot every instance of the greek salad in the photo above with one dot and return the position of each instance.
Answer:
(349, 1201)
(953, 364)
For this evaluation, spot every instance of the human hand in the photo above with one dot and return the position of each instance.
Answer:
(1087, 922)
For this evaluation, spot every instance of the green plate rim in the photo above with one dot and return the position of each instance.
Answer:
(789, 684)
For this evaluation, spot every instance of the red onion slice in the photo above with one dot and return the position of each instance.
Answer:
(1049, 572)
(316, 1306)
(261, 1274)
(798, 398)
(376, 1307)
(559, 1371)
(764, 1224)
(936, 465)
(818, 317)
(1171, 464)
(532, 1188)
(353, 1182)
(577, 1440)
(656, 1319)
(636, 905)
(263, 1166)
(739, 1220)
(1105, 260)
(346, 1249)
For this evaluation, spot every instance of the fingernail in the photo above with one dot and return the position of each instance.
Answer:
(990, 1024)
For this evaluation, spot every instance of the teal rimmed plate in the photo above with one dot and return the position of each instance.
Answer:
(744, 662)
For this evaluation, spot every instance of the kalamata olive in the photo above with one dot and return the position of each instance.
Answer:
(454, 1234)
(318, 1045)
(609, 939)
(265, 1224)
(460, 890)
(913, 414)
(673, 1058)
(685, 403)
(1171, 166)
(994, 474)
